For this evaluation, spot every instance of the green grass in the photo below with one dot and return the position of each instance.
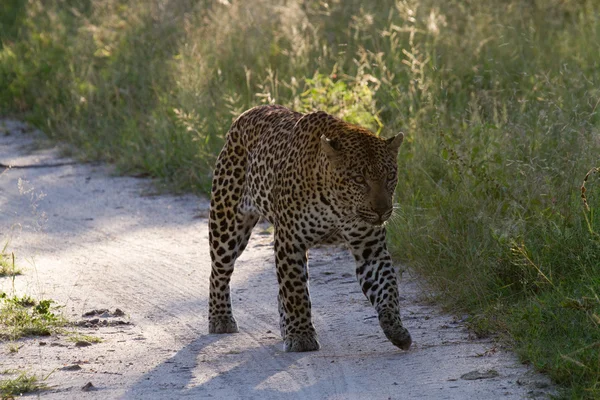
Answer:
(24, 316)
(7, 263)
(500, 102)
(22, 384)
(78, 337)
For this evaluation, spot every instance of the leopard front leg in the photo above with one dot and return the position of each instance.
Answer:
(377, 278)
(297, 330)
(281, 315)
(230, 225)
(228, 239)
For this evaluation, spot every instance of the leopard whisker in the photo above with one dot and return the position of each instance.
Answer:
(395, 219)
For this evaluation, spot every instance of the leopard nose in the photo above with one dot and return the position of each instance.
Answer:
(383, 211)
(382, 206)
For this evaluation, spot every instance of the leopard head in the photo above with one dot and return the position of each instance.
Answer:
(363, 170)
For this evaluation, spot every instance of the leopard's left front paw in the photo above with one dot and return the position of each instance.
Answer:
(395, 332)
(222, 324)
(301, 342)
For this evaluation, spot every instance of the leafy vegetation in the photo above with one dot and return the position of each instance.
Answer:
(24, 316)
(499, 101)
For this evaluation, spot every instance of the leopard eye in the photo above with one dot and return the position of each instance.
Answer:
(359, 180)
(392, 176)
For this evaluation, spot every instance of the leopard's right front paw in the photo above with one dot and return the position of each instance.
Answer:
(222, 325)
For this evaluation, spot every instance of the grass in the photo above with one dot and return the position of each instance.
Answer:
(499, 101)
(13, 348)
(78, 337)
(7, 263)
(22, 384)
(24, 316)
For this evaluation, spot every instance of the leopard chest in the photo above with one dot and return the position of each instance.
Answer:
(308, 216)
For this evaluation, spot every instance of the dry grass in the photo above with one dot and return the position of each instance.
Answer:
(7, 263)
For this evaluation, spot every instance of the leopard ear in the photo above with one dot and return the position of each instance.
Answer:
(320, 124)
(331, 147)
(395, 142)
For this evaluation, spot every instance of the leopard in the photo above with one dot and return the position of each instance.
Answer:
(318, 180)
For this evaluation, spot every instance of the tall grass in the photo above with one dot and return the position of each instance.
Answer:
(500, 102)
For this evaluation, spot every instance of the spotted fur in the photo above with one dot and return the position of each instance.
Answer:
(317, 179)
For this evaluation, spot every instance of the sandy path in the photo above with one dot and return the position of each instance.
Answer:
(90, 240)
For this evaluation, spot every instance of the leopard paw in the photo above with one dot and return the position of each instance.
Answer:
(396, 333)
(301, 342)
(222, 325)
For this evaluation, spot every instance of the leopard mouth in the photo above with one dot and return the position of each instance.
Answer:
(374, 218)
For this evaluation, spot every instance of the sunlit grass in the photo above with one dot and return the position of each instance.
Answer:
(23, 383)
(78, 337)
(24, 316)
(7, 263)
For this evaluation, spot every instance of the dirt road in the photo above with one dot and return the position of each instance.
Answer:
(90, 241)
